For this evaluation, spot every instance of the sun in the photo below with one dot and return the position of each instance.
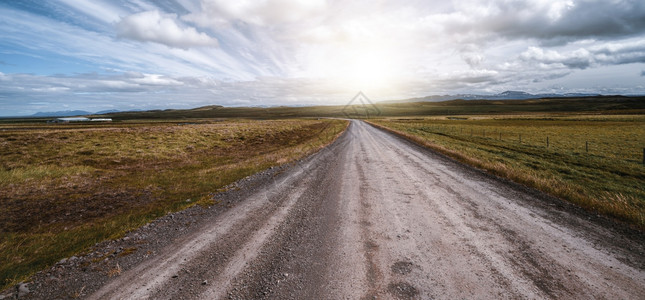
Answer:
(369, 67)
(367, 71)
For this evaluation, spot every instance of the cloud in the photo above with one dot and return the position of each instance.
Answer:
(217, 13)
(49, 39)
(472, 55)
(105, 11)
(95, 92)
(152, 26)
(550, 22)
(152, 79)
(278, 51)
(582, 58)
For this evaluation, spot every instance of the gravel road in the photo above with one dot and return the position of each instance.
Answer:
(371, 216)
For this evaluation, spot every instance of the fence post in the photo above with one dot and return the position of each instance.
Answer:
(484, 132)
(471, 132)
(643, 156)
(587, 146)
(500, 136)
(547, 141)
(520, 138)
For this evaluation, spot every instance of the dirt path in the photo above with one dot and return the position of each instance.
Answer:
(375, 217)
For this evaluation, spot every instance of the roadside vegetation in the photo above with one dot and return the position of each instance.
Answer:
(66, 187)
(595, 162)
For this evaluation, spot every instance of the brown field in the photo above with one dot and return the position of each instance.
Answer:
(66, 187)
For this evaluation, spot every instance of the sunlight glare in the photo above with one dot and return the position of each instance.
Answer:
(372, 68)
(352, 66)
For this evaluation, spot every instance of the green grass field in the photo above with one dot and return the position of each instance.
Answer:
(592, 161)
(66, 187)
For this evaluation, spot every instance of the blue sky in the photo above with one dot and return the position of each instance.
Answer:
(142, 54)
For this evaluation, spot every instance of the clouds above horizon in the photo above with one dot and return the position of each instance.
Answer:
(152, 26)
(551, 22)
(582, 58)
(182, 53)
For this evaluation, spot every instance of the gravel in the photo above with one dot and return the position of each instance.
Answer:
(371, 216)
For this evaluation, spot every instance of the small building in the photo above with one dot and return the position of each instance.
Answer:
(70, 119)
(78, 119)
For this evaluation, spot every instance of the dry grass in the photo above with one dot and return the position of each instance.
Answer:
(66, 187)
(607, 179)
(116, 271)
(77, 294)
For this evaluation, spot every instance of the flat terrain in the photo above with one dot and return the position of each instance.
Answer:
(370, 216)
(594, 161)
(65, 187)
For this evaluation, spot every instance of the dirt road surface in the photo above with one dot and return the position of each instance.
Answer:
(373, 216)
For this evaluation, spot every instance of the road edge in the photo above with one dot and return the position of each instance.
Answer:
(112, 250)
(628, 230)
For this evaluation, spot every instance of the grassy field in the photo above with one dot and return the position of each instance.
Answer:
(67, 187)
(592, 161)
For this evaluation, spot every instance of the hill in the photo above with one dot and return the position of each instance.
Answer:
(595, 104)
(63, 113)
(507, 95)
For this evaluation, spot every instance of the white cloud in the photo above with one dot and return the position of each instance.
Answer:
(152, 79)
(548, 21)
(42, 36)
(217, 13)
(579, 59)
(594, 56)
(267, 51)
(152, 26)
(101, 10)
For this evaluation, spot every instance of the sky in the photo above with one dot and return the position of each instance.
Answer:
(99, 55)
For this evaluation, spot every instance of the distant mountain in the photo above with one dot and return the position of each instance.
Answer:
(109, 111)
(113, 111)
(64, 113)
(71, 113)
(507, 95)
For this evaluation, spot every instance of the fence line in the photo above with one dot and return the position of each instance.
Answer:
(549, 142)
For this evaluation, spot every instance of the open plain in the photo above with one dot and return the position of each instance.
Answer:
(370, 216)
(65, 187)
